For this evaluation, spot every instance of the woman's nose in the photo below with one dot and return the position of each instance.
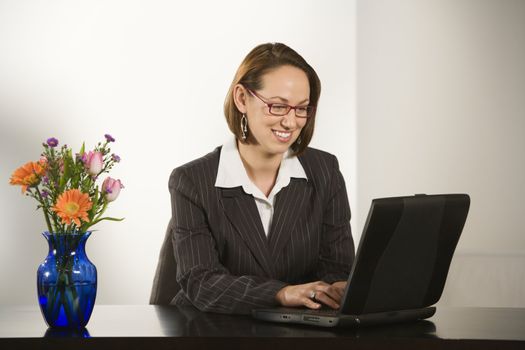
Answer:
(289, 120)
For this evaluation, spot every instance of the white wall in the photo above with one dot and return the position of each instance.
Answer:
(441, 91)
(441, 85)
(153, 74)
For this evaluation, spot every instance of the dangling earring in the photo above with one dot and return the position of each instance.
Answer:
(244, 128)
(299, 140)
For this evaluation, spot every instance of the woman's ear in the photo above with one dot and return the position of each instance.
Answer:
(239, 97)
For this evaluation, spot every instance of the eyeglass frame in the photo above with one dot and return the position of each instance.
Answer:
(288, 107)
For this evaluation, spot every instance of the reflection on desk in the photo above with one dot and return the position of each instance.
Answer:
(200, 324)
(163, 327)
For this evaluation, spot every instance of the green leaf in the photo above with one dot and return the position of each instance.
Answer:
(101, 219)
(111, 219)
(68, 170)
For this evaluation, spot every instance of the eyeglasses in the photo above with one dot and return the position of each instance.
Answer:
(280, 109)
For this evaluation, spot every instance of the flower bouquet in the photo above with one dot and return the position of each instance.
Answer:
(65, 187)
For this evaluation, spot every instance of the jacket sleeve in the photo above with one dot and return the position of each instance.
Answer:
(337, 246)
(202, 277)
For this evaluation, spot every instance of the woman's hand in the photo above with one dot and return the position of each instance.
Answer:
(312, 295)
(340, 286)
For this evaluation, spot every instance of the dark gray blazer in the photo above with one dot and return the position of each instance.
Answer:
(216, 255)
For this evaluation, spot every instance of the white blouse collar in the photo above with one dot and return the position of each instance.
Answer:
(231, 172)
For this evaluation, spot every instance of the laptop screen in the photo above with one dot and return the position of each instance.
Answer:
(405, 252)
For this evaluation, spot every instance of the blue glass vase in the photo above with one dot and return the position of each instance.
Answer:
(67, 281)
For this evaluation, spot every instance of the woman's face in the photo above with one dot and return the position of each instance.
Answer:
(275, 134)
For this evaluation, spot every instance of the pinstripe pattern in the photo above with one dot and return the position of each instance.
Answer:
(216, 247)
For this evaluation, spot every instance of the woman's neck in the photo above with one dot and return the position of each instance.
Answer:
(262, 168)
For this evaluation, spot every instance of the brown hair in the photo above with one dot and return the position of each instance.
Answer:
(261, 60)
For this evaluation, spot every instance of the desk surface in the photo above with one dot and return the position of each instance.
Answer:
(135, 326)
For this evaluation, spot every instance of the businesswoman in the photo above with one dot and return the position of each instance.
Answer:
(263, 220)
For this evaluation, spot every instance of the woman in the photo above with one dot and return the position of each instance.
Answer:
(263, 220)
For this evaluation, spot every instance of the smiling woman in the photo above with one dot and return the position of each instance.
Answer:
(264, 219)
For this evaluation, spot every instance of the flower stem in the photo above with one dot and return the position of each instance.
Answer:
(44, 208)
(96, 219)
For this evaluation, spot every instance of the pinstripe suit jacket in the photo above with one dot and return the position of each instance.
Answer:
(216, 255)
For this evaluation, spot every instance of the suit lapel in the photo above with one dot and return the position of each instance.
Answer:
(289, 204)
(241, 210)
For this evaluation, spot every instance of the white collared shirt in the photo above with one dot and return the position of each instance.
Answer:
(231, 173)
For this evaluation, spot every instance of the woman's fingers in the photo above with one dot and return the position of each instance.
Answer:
(329, 292)
(324, 298)
(309, 303)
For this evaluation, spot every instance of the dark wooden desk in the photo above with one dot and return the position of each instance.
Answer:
(166, 327)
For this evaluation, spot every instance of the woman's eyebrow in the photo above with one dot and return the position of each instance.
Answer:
(286, 100)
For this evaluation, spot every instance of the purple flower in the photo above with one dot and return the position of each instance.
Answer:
(52, 142)
(45, 179)
(115, 158)
(109, 138)
(45, 194)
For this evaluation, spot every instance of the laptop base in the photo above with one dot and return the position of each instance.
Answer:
(301, 316)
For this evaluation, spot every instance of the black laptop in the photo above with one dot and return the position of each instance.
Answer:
(401, 264)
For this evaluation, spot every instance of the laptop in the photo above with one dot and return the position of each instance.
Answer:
(401, 264)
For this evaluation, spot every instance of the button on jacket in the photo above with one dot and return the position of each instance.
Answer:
(216, 255)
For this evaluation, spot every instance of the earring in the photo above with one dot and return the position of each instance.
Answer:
(299, 140)
(244, 128)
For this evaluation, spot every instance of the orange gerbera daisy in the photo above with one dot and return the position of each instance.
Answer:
(28, 175)
(73, 205)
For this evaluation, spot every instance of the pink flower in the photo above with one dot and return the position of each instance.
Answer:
(111, 188)
(93, 162)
